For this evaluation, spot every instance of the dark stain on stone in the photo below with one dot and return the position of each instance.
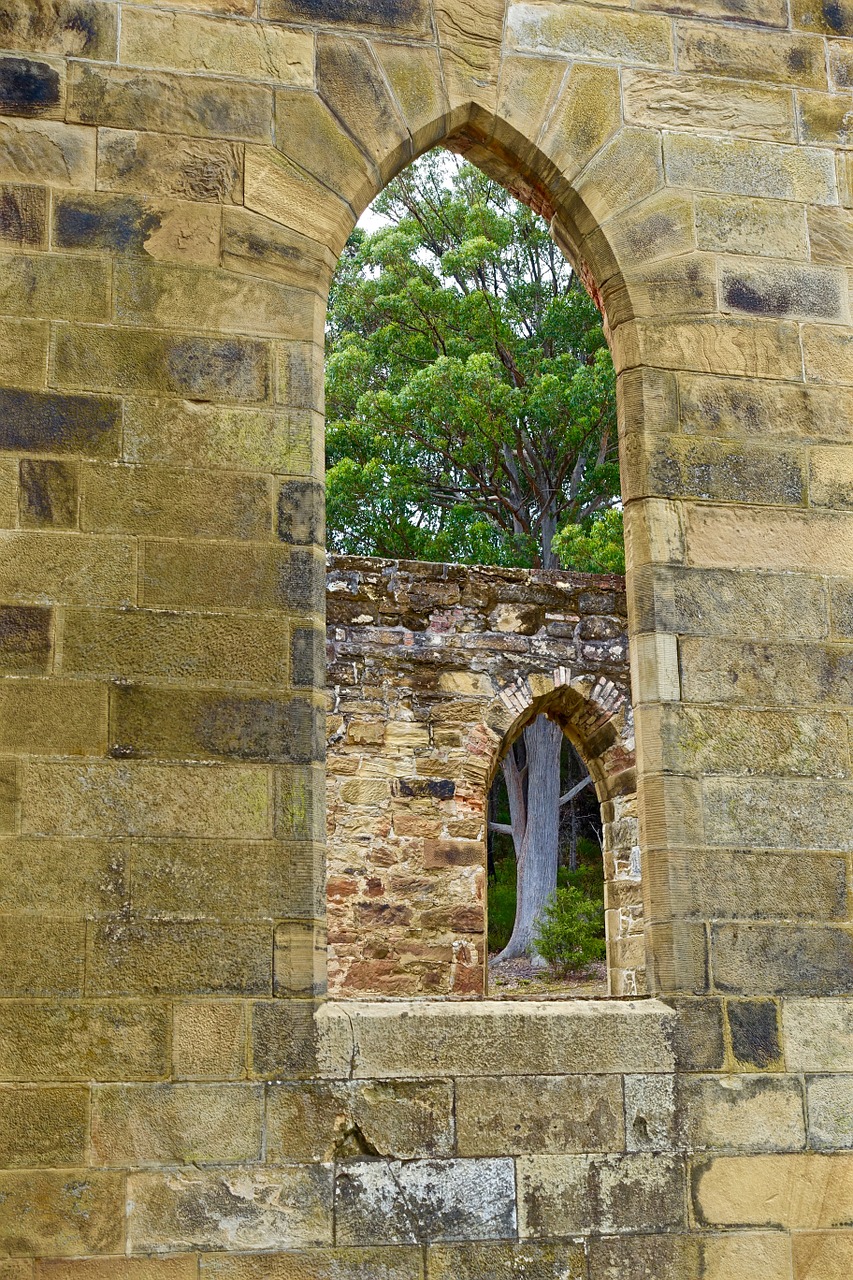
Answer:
(301, 512)
(48, 493)
(92, 222)
(34, 421)
(308, 658)
(755, 1032)
(774, 301)
(262, 729)
(211, 368)
(28, 88)
(304, 587)
(377, 13)
(25, 638)
(23, 216)
(835, 18)
(419, 788)
(798, 60)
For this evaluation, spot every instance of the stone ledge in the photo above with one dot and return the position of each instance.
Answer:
(397, 1039)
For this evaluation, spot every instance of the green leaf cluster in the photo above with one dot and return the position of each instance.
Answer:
(469, 388)
(569, 932)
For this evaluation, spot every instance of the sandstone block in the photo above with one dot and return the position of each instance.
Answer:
(146, 799)
(299, 811)
(734, 348)
(818, 1035)
(415, 76)
(755, 1033)
(560, 1195)
(768, 673)
(287, 194)
(172, 503)
(47, 151)
(287, 1042)
(661, 101)
(774, 815)
(783, 291)
(94, 876)
(156, 1124)
(840, 65)
(769, 13)
(183, 432)
(761, 410)
(143, 643)
(692, 602)
(284, 1207)
(397, 1119)
(453, 853)
(659, 227)
(50, 717)
(24, 348)
(739, 167)
(209, 1039)
(53, 287)
(827, 353)
(756, 1113)
(830, 474)
(179, 724)
(383, 1263)
(830, 1111)
(48, 495)
(470, 38)
(166, 295)
(564, 1261)
(32, 87)
(193, 43)
(425, 1200)
(487, 1038)
(752, 55)
(792, 1191)
(43, 1126)
(350, 81)
(590, 33)
(732, 224)
(179, 958)
(26, 636)
(787, 540)
(9, 797)
(66, 568)
(740, 742)
(308, 658)
(62, 1214)
(155, 164)
(76, 28)
(723, 884)
(758, 959)
(409, 17)
(83, 1040)
(587, 113)
(313, 139)
(182, 1267)
(23, 216)
(260, 246)
(698, 1038)
(136, 360)
(162, 102)
(740, 1256)
(650, 1112)
(720, 470)
(538, 1114)
(299, 957)
(165, 230)
(45, 422)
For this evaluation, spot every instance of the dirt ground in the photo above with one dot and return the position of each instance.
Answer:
(518, 980)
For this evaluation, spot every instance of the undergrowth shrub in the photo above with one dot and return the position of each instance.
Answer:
(569, 932)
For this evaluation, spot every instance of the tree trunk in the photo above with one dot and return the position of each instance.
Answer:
(534, 805)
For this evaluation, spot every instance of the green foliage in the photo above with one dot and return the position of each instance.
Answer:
(469, 388)
(597, 546)
(502, 901)
(568, 933)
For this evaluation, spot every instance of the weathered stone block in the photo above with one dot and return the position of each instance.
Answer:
(828, 354)
(769, 13)
(396, 1119)
(775, 815)
(783, 291)
(23, 216)
(383, 1263)
(155, 164)
(285, 1042)
(26, 636)
(162, 102)
(796, 540)
(752, 1112)
(53, 286)
(48, 494)
(818, 1035)
(560, 1195)
(752, 55)
(764, 959)
(43, 1126)
(142, 643)
(61, 1214)
(822, 1255)
(705, 345)
(350, 81)
(590, 33)
(737, 742)
(532, 1114)
(183, 1267)
(66, 568)
(153, 957)
(209, 1040)
(31, 87)
(157, 1124)
(586, 114)
(180, 432)
(409, 17)
(218, 575)
(284, 1207)
(735, 224)
(75, 1040)
(146, 799)
(159, 501)
(830, 1111)
(77, 28)
(164, 229)
(45, 422)
(47, 717)
(425, 1200)
(263, 247)
(564, 1261)
(723, 471)
(308, 658)
(661, 101)
(650, 1113)
(791, 1191)
(195, 43)
(746, 168)
(833, 19)
(47, 151)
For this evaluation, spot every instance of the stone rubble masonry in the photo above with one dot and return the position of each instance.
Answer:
(178, 1101)
(433, 670)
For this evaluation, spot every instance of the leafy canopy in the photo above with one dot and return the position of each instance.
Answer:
(470, 391)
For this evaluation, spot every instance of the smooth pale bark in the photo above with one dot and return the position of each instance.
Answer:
(534, 807)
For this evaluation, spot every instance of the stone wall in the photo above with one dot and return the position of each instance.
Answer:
(177, 182)
(433, 671)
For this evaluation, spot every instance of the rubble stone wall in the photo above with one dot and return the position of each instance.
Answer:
(433, 671)
(177, 180)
